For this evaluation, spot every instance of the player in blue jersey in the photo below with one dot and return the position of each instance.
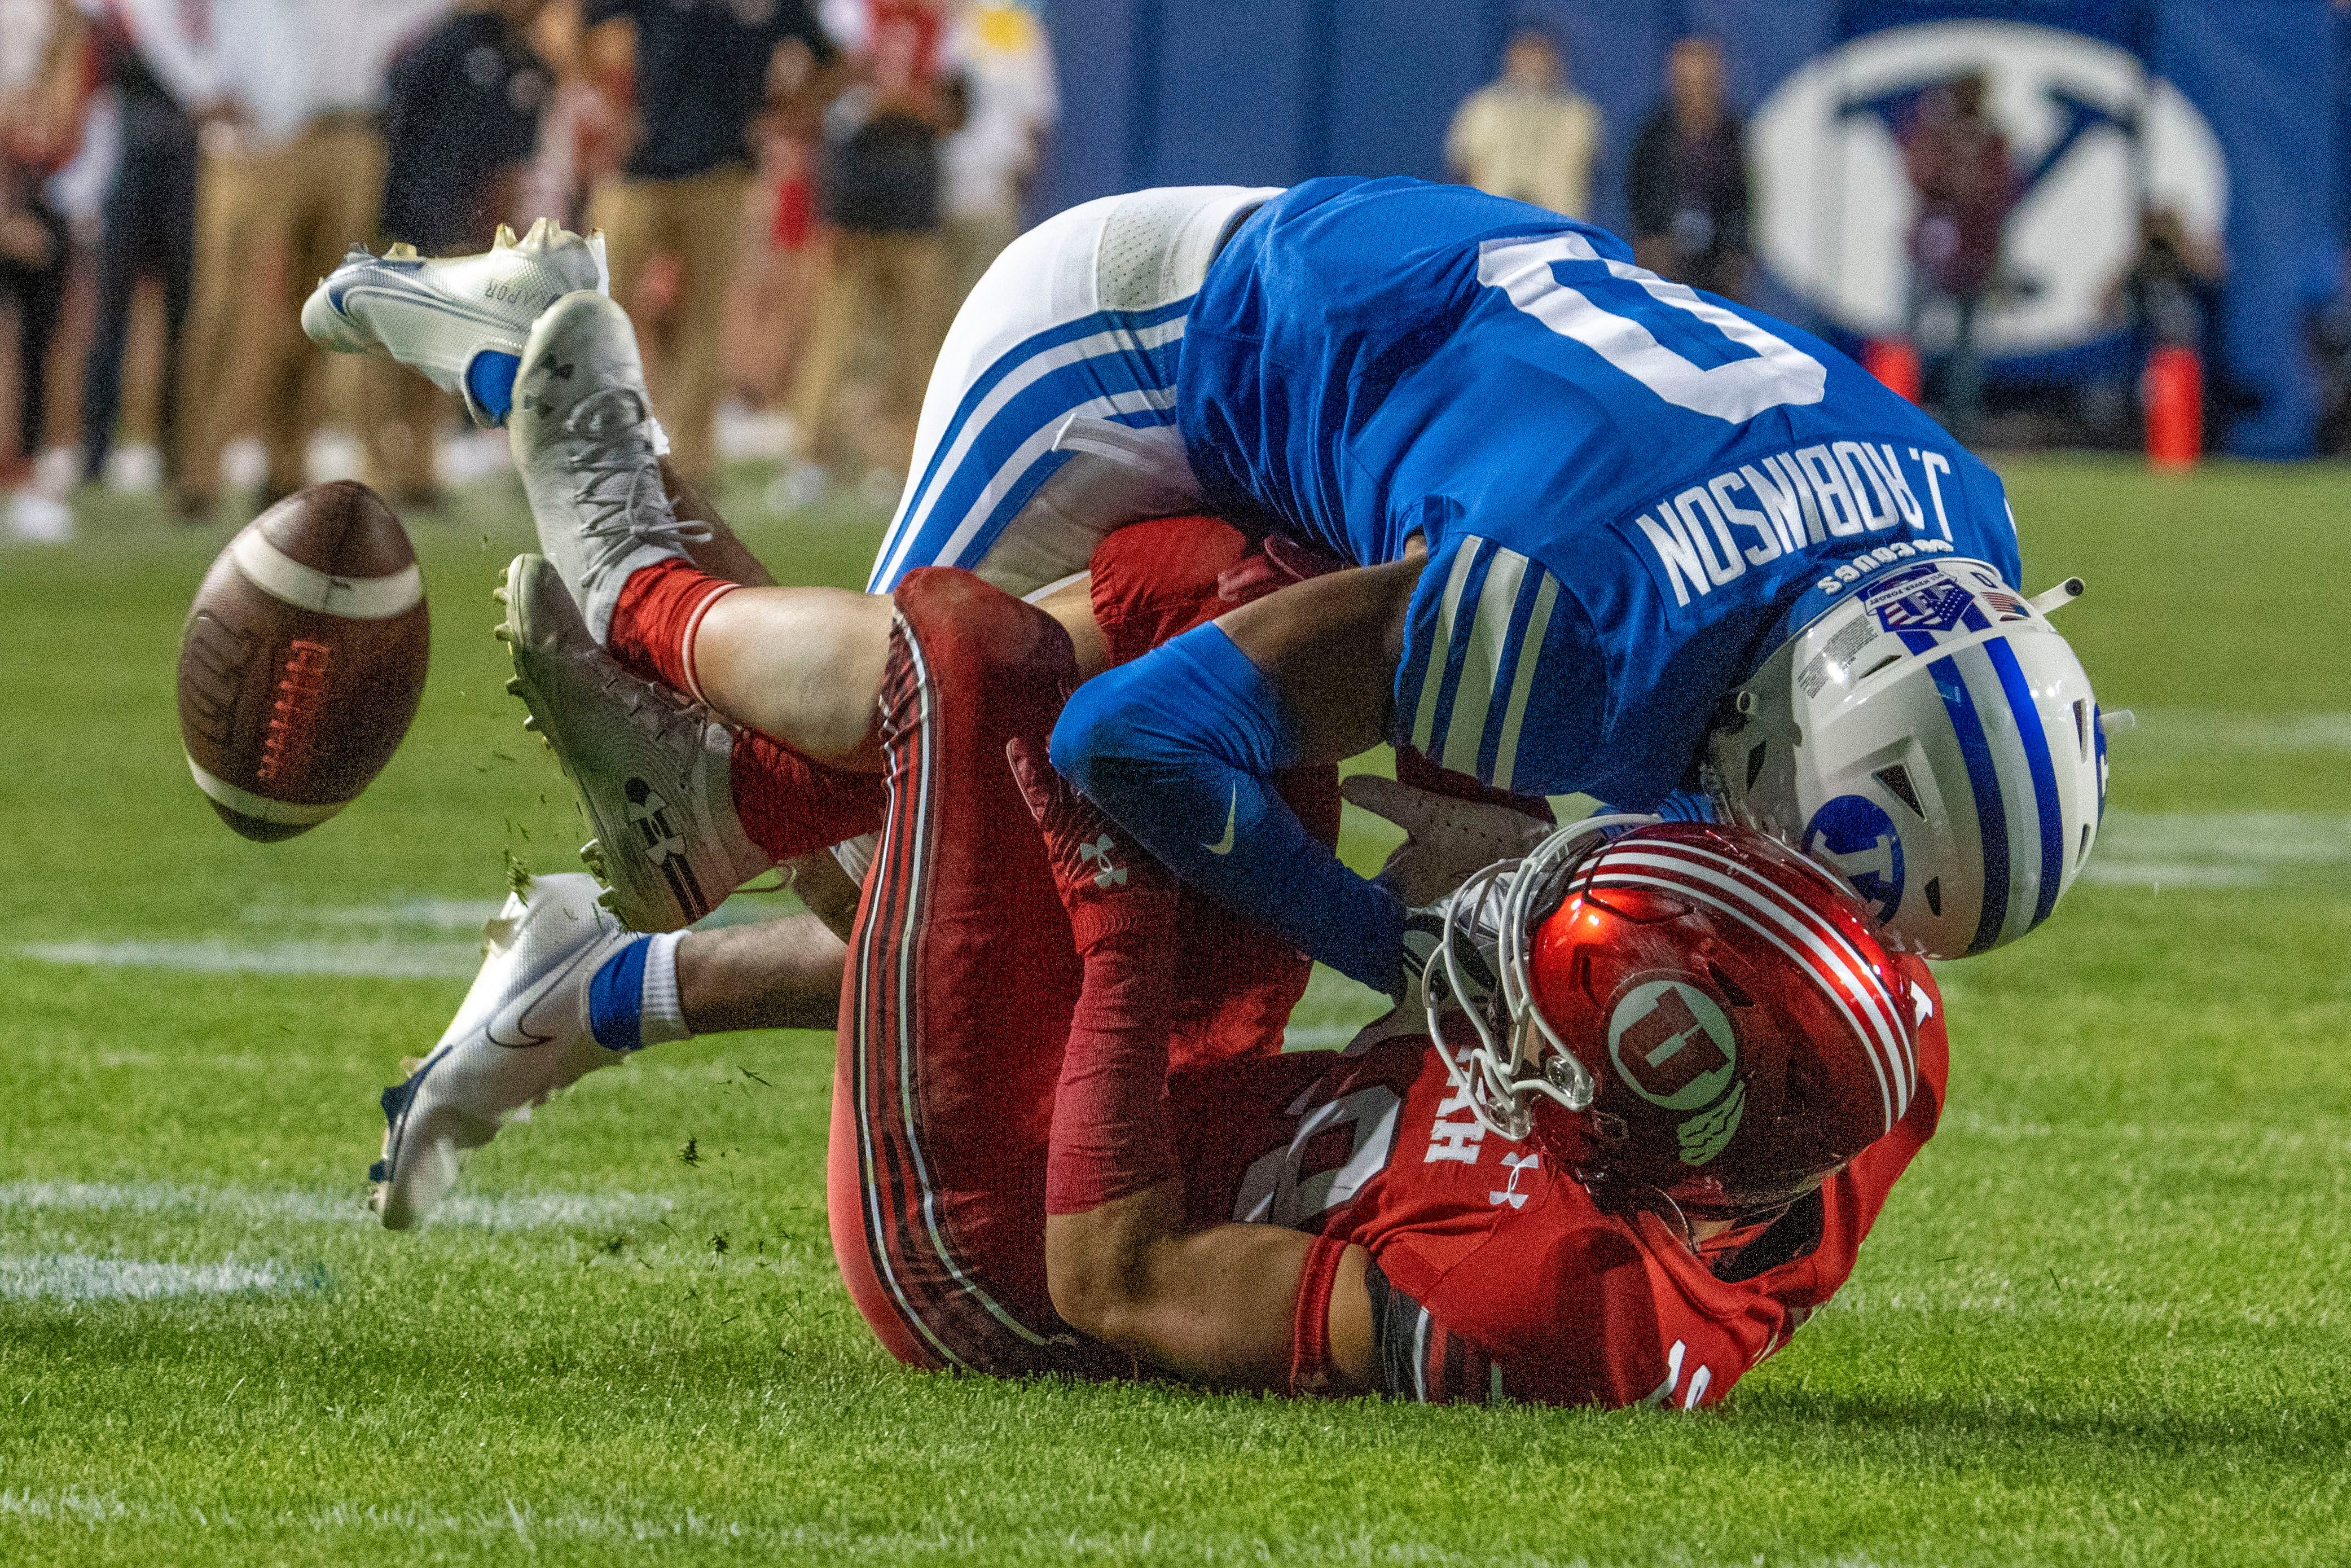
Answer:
(1605, 534)
(1614, 536)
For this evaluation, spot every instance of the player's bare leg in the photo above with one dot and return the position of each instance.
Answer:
(778, 974)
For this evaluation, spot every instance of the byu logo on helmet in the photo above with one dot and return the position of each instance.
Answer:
(1836, 203)
(1854, 834)
(1932, 737)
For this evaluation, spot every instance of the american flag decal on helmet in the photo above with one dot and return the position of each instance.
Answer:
(1814, 945)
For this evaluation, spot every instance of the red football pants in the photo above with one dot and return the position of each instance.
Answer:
(962, 974)
(957, 1006)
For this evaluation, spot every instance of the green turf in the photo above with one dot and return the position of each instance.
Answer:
(2105, 1320)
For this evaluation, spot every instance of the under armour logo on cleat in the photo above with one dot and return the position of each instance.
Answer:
(649, 814)
(1098, 854)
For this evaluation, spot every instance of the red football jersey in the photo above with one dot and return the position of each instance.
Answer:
(1157, 580)
(1499, 1277)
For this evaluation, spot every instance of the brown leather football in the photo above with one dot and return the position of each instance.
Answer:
(302, 660)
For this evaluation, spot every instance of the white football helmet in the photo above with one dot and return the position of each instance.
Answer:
(1933, 738)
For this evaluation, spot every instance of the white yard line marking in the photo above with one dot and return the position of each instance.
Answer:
(515, 1519)
(218, 955)
(2209, 729)
(509, 1211)
(2213, 849)
(2255, 838)
(2119, 872)
(78, 1277)
(438, 913)
(2255, 1142)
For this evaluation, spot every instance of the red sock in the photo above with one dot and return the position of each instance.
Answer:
(660, 609)
(790, 806)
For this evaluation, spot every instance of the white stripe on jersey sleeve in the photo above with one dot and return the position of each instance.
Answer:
(1530, 646)
(1488, 641)
(1440, 646)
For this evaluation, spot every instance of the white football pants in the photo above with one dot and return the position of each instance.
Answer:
(1050, 415)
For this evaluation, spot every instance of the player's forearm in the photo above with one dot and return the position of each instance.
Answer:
(1110, 1137)
(1214, 1307)
(1179, 748)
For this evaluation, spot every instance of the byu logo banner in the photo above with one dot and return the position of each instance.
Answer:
(1837, 202)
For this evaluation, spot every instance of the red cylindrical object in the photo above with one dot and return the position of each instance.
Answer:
(1894, 361)
(2174, 390)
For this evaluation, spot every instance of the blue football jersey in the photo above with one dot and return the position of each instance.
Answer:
(1631, 492)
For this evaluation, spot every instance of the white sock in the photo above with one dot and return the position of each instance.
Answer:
(661, 1015)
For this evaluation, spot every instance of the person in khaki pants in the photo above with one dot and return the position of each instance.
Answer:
(704, 70)
(282, 215)
(887, 266)
(289, 177)
(696, 221)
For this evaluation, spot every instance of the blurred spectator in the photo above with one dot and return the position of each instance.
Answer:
(153, 58)
(2169, 294)
(41, 92)
(291, 168)
(878, 188)
(704, 71)
(2169, 297)
(580, 131)
(1959, 163)
(776, 276)
(2326, 333)
(1687, 184)
(1011, 102)
(460, 120)
(1528, 135)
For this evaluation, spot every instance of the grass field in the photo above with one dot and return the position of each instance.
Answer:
(2108, 1318)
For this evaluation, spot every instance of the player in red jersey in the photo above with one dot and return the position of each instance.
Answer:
(565, 988)
(1039, 1157)
(1035, 1190)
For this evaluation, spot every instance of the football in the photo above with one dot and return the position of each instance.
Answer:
(302, 660)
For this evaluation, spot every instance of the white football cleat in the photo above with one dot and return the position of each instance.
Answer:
(653, 768)
(437, 316)
(520, 1036)
(589, 450)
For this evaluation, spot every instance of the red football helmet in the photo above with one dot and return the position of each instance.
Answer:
(1722, 1025)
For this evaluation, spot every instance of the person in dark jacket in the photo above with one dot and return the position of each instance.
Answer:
(161, 81)
(705, 71)
(1959, 163)
(1686, 180)
(460, 120)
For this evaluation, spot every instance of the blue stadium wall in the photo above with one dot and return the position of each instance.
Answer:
(1272, 91)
